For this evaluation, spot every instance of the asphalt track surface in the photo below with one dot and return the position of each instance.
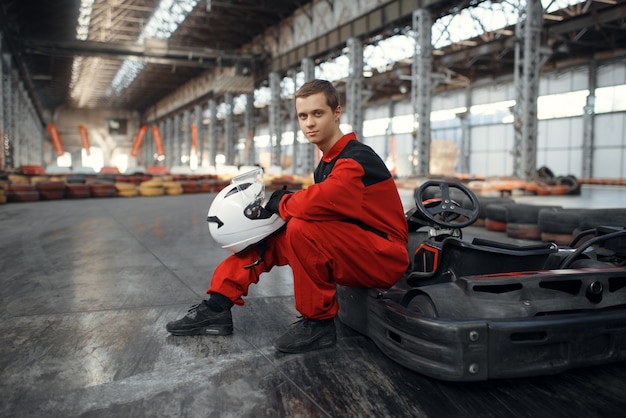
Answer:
(88, 286)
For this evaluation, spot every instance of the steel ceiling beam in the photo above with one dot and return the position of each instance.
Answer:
(183, 56)
(606, 15)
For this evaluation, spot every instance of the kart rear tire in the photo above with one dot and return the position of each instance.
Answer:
(423, 304)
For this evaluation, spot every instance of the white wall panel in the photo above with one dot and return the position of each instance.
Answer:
(404, 144)
(377, 112)
(492, 138)
(493, 93)
(480, 139)
(608, 163)
(451, 100)
(611, 75)
(491, 164)
(564, 82)
(609, 129)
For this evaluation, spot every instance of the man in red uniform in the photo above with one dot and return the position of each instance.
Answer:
(348, 228)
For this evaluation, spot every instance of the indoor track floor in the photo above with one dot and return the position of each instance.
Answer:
(88, 286)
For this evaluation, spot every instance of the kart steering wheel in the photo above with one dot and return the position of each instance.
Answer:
(446, 210)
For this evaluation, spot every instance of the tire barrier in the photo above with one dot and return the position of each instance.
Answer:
(50, 190)
(77, 191)
(189, 186)
(592, 218)
(101, 189)
(172, 188)
(151, 188)
(522, 221)
(559, 225)
(18, 179)
(484, 202)
(123, 189)
(79, 186)
(495, 216)
(21, 193)
(31, 170)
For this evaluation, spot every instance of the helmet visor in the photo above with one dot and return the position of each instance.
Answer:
(252, 186)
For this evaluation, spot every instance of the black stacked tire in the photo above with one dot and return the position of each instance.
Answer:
(51, 190)
(484, 202)
(559, 225)
(21, 193)
(522, 221)
(495, 216)
(593, 218)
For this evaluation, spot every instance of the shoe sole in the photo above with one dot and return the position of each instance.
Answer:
(212, 330)
(324, 342)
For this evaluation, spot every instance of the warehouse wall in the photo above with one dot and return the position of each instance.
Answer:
(563, 96)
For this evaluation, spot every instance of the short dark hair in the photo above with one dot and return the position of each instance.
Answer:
(320, 86)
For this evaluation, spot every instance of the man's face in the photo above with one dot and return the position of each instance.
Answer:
(318, 121)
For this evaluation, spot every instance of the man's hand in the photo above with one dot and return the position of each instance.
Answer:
(274, 201)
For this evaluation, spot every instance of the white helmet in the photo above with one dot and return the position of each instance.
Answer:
(237, 218)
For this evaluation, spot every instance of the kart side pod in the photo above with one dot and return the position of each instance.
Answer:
(474, 349)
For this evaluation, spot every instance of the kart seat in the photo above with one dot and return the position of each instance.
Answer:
(460, 258)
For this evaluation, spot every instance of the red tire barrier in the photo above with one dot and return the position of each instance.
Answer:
(51, 190)
(77, 191)
(33, 170)
(103, 189)
(22, 196)
(190, 186)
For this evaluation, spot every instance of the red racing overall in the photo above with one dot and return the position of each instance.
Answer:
(348, 229)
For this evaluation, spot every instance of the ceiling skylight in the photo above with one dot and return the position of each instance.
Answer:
(162, 25)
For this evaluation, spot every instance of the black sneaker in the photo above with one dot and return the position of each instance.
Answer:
(202, 320)
(307, 335)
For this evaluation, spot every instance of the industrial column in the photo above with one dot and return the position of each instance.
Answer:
(212, 132)
(200, 134)
(466, 132)
(249, 157)
(307, 155)
(354, 88)
(7, 133)
(589, 122)
(19, 142)
(186, 132)
(421, 91)
(229, 130)
(526, 77)
(177, 140)
(275, 119)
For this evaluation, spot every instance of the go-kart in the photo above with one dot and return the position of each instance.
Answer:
(484, 309)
